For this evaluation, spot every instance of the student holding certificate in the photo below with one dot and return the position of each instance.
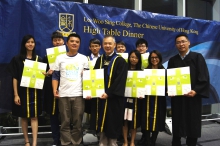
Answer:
(153, 107)
(187, 109)
(27, 101)
(132, 105)
(94, 47)
(142, 47)
(51, 103)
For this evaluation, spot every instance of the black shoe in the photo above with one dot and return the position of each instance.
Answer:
(129, 137)
(56, 143)
(120, 138)
(141, 141)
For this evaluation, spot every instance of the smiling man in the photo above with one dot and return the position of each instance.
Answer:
(142, 45)
(186, 109)
(107, 111)
(120, 47)
(68, 73)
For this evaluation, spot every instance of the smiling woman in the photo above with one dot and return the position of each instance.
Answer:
(27, 101)
(154, 107)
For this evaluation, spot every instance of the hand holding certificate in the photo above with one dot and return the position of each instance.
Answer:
(52, 54)
(178, 80)
(32, 75)
(155, 82)
(135, 84)
(93, 83)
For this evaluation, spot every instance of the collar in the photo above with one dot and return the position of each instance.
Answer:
(182, 57)
(93, 56)
(111, 53)
(72, 55)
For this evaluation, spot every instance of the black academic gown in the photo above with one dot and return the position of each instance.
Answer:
(186, 111)
(50, 103)
(107, 114)
(135, 106)
(154, 112)
(30, 98)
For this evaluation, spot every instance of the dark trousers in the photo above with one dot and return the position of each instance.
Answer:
(189, 141)
(55, 128)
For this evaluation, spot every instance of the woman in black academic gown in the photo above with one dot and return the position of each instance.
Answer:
(27, 101)
(154, 107)
(132, 103)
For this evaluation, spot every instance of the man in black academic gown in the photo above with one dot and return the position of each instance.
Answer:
(51, 103)
(186, 110)
(107, 111)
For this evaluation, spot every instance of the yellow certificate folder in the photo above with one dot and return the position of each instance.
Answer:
(93, 83)
(32, 76)
(135, 84)
(52, 54)
(178, 80)
(124, 55)
(155, 82)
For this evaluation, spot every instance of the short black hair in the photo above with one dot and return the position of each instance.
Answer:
(120, 43)
(73, 35)
(56, 34)
(95, 41)
(141, 41)
(180, 35)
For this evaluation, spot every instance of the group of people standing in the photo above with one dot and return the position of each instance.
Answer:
(112, 114)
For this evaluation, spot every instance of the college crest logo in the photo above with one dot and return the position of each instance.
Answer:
(66, 23)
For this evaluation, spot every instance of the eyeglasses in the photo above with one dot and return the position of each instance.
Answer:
(153, 58)
(141, 46)
(181, 42)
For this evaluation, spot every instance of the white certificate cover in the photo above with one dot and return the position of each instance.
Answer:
(32, 74)
(93, 83)
(155, 82)
(124, 55)
(53, 52)
(144, 59)
(178, 80)
(135, 84)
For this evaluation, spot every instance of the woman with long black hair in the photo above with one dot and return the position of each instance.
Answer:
(153, 107)
(27, 101)
(132, 105)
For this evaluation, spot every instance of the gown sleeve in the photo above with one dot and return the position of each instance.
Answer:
(119, 77)
(13, 68)
(202, 82)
